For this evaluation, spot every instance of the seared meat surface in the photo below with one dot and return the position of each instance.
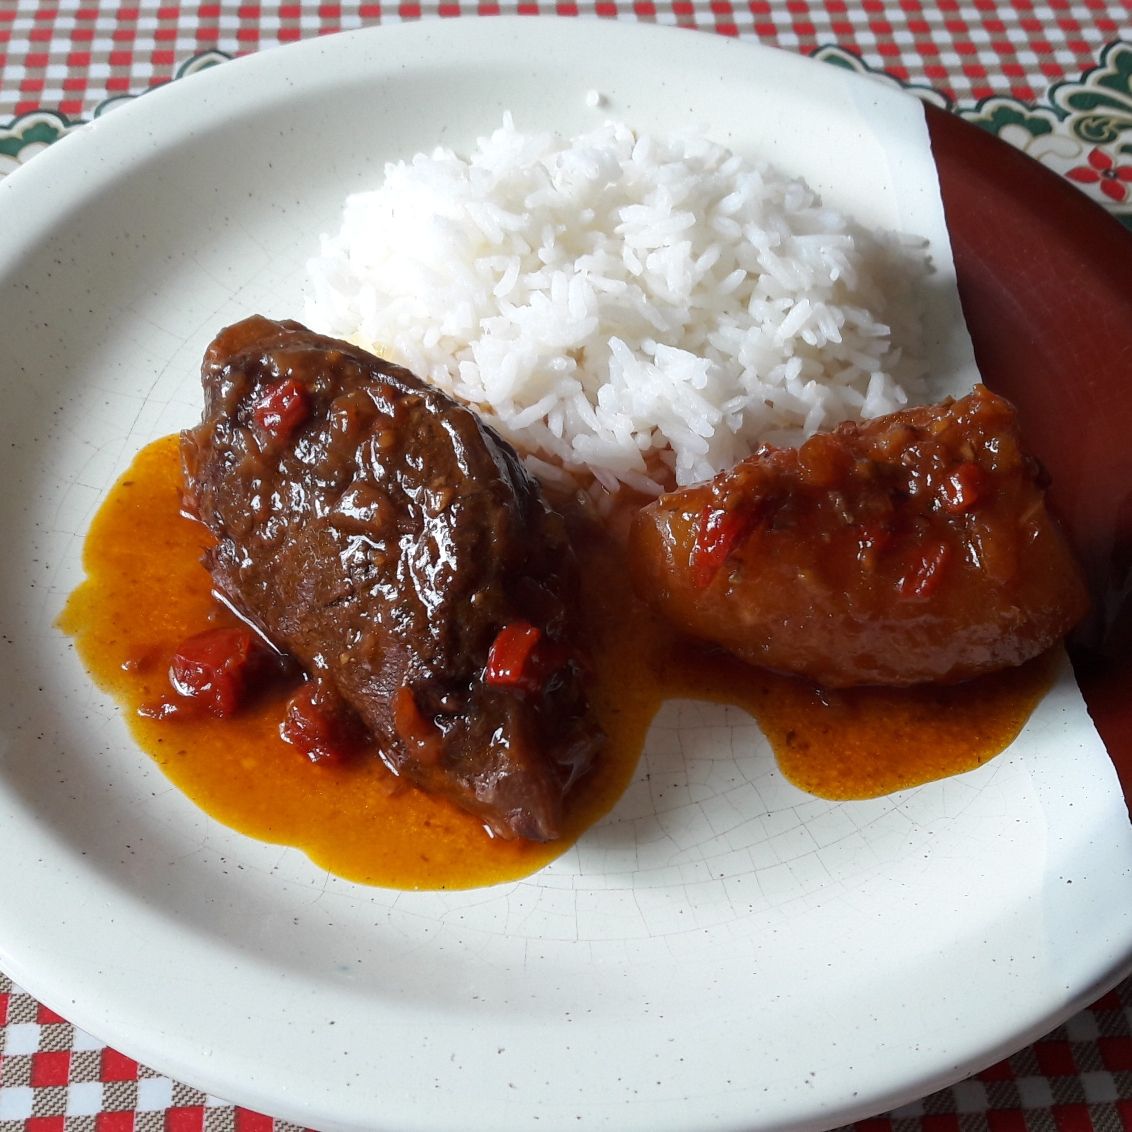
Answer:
(378, 532)
(915, 548)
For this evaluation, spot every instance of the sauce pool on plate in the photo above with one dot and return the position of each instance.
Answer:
(360, 822)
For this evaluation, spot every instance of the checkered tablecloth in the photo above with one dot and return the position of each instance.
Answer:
(71, 56)
(1028, 71)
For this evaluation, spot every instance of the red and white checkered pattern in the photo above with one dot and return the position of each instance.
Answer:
(56, 1078)
(68, 56)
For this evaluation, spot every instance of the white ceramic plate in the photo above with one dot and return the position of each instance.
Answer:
(722, 951)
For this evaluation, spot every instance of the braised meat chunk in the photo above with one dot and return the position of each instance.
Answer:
(378, 532)
(915, 548)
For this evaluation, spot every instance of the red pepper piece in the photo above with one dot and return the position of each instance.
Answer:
(215, 668)
(926, 572)
(318, 731)
(282, 408)
(963, 488)
(718, 532)
(512, 659)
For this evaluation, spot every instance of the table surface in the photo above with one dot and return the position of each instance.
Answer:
(1053, 78)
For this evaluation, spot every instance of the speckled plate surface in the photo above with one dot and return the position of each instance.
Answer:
(722, 951)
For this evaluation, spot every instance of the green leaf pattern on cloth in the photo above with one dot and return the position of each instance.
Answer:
(1082, 130)
(23, 137)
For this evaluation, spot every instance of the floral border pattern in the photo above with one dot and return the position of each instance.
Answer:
(29, 134)
(1082, 130)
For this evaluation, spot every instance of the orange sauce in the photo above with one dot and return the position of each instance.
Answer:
(146, 591)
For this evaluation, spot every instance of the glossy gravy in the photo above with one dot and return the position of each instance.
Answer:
(360, 822)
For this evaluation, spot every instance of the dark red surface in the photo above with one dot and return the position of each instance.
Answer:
(1045, 277)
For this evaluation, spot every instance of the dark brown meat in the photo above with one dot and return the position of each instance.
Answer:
(915, 548)
(377, 531)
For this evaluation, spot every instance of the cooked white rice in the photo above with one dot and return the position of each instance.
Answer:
(639, 307)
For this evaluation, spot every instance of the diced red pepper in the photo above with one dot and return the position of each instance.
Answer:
(318, 731)
(512, 658)
(963, 488)
(926, 572)
(282, 408)
(718, 532)
(215, 668)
